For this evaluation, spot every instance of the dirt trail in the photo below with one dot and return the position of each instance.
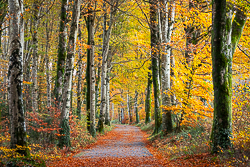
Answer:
(127, 143)
(125, 146)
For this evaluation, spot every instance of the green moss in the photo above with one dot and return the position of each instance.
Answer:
(64, 139)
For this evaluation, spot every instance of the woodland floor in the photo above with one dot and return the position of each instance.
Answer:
(126, 145)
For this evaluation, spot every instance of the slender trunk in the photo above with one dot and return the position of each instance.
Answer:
(67, 87)
(173, 97)
(91, 26)
(155, 49)
(35, 58)
(5, 53)
(148, 100)
(119, 115)
(107, 115)
(47, 66)
(79, 82)
(105, 49)
(15, 76)
(62, 52)
(113, 111)
(97, 88)
(90, 71)
(136, 108)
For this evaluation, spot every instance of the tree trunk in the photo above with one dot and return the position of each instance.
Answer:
(148, 100)
(90, 71)
(15, 76)
(35, 58)
(136, 108)
(79, 82)
(105, 49)
(67, 87)
(155, 57)
(62, 52)
(47, 67)
(224, 42)
(222, 76)
(167, 14)
(107, 115)
(97, 89)
(113, 111)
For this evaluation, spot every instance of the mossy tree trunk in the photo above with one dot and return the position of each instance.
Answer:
(15, 76)
(148, 100)
(136, 108)
(62, 53)
(224, 42)
(64, 139)
(155, 57)
(90, 77)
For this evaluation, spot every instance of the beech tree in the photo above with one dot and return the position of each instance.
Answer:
(114, 4)
(155, 57)
(67, 85)
(90, 71)
(148, 99)
(167, 14)
(225, 37)
(15, 76)
(62, 53)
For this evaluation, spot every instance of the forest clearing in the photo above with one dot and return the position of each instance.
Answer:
(124, 83)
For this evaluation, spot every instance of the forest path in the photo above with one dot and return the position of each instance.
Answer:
(126, 141)
(124, 146)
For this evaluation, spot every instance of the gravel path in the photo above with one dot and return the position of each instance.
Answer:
(129, 143)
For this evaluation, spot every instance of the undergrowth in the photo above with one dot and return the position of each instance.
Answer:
(194, 141)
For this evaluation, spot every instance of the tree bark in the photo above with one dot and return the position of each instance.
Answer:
(90, 72)
(148, 100)
(64, 140)
(107, 115)
(35, 57)
(136, 108)
(225, 37)
(167, 14)
(222, 76)
(79, 82)
(15, 76)
(155, 57)
(62, 53)
(47, 66)
(105, 49)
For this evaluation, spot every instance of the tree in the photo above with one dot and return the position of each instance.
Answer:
(105, 49)
(62, 53)
(155, 57)
(148, 100)
(136, 108)
(90, 71)
(167, 14)
(15, 76)
(225, 37)
(67, 85)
